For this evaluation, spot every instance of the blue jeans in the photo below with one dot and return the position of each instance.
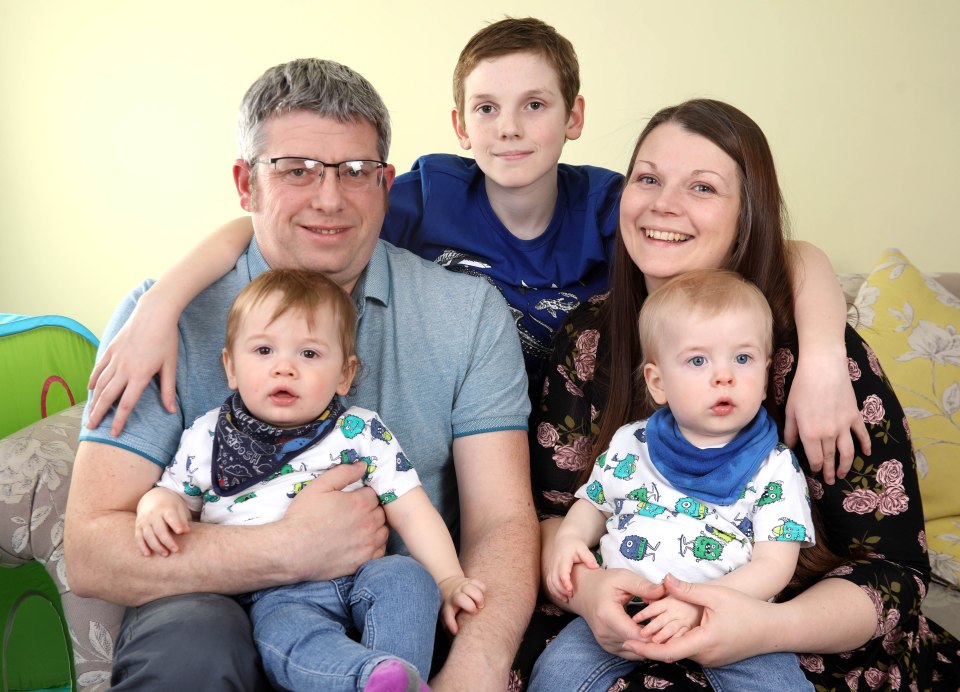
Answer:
(329, 635)
(574, 661)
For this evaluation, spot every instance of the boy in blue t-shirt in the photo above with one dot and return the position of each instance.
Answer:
(541, 231)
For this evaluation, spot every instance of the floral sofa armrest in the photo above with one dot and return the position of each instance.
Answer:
(35, 467)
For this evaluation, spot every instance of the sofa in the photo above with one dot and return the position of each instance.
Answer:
(910, 320)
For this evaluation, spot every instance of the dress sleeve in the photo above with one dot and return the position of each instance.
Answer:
(564, 421)
(875, 513)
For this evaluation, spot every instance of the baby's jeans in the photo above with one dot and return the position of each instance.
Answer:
(575, 661)
(329, 635)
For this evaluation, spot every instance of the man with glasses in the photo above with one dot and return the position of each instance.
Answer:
(440, 362)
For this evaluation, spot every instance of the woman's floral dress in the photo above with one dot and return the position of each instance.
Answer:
(875, 510)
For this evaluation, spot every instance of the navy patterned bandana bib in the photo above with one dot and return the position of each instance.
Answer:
(246, 450)
(717, 474)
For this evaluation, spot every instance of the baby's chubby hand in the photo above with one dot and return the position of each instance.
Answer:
(460, 593)
(160, 516)
(567, 551)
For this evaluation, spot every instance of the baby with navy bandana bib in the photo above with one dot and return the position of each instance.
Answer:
(290, 356)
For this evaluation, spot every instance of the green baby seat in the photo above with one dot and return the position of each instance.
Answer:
(44, 366)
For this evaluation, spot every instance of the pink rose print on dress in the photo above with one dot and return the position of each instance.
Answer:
(558, 498)
(874, 362)
(906, 428)
(890, 473)
(568, 385)
(861, 501)
(547, 435)
(874, 677)
(585, 364)
(812, 662)
(588, 340)
(877, 601)
(853, 369)
(924, 630)
(782, 364)
(894, 673)
(873, 411)
(923, 539)
(651, 682)
(815, 488)
(891, 640)
(598, 298)
(890, 624)
(840, 571)
(573, 457)
(853, 678)
(893, 501)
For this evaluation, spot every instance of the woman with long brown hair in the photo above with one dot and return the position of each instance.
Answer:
(856, 621)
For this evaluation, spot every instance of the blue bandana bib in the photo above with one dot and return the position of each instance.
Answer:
(247, 450)
(718, 474)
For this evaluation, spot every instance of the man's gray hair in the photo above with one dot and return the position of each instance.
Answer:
(324, 87)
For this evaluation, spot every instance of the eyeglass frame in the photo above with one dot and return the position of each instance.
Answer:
(381, 165)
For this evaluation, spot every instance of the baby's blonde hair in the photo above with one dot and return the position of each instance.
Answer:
(705, 293)
(302, 290)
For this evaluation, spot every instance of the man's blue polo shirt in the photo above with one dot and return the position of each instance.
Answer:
(439, 359)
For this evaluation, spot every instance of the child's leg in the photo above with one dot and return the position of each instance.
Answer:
(780, 671)
(395, 603)
(574, 661)
(301, 632)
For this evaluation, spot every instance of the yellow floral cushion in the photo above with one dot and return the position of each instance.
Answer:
(912, 322)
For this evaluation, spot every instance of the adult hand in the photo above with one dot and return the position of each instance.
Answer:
(600, 597)
(822, 413)
(327, 533)
(144, 346)
(734, 626)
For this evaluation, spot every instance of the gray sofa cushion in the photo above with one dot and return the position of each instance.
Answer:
(35, 466)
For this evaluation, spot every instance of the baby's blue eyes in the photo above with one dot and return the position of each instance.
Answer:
(739, 359)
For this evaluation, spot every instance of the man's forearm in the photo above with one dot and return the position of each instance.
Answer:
(103, 561)
(325, 534)
(506, 559)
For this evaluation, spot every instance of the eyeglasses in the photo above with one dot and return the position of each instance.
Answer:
(357, 175)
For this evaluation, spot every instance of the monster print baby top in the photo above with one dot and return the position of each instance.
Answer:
(655, 528)
(358, 436)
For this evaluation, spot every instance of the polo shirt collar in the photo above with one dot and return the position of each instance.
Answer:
(374, 282)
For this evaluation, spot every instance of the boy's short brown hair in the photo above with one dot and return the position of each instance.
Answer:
(525, 35)
(702, 292)
(302, 290)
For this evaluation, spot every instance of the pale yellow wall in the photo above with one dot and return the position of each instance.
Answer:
(117, 117)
